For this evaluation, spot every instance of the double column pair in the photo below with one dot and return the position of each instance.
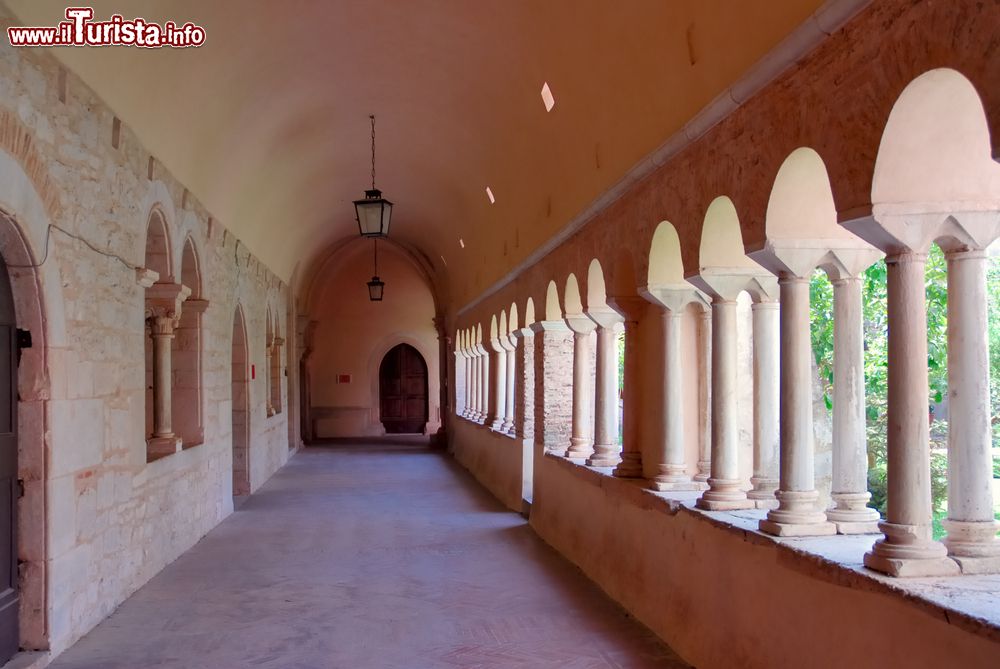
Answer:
(163, 314)
(601, 449)
(970, 545)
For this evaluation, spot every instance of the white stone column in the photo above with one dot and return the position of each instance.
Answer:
(765, 405)
(484, 383)
(850, 493)
(796, 514)
(477, 384)
(630, 466)
(672, 465)
(470, 382)
(498, 396)
(971, 526)
(606, 449)
(163, 310)
(725, 492)
(582, 441)
(907, 549)
(704, 396)
(508, 417)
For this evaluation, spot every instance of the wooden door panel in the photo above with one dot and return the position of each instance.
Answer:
(403, 390)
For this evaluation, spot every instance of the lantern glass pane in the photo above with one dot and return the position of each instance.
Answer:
(369, 216)
(386, 216)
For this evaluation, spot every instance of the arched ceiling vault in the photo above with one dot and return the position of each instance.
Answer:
(267, 123)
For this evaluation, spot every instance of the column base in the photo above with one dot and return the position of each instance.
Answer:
(704, 472)
(908, 550)
(862, 520)
(763, 500)
(815, 529)
(723, 495)
(630, 467)
(161, 447)
(580, 448)
(506, 427)
(796, 516)
(605, 455)
(977, 565)
(661, 485)
(972, 539)
(497, 425)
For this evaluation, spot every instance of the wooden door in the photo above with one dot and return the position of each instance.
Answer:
(403, 391)
(9, 635)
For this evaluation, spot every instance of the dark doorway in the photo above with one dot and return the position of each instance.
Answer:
(402, 382)
(241, 407)
(9, 633)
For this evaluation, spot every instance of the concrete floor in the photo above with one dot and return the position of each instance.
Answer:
(370, 555)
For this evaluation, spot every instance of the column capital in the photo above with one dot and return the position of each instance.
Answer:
(725, 283)
(671, 296)
(163, 301)
(605, 317)
(580, 324)
(549, 326)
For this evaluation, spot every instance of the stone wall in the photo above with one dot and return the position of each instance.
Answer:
(97, 520)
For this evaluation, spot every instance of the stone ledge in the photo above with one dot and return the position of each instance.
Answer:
(968, 602)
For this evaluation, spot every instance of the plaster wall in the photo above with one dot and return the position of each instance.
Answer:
(352, 335)
(110, 520)
(723, 600)
(497, 461)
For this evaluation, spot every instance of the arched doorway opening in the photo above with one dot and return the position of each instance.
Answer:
(402, 385)
(9, 591)
(241, 407)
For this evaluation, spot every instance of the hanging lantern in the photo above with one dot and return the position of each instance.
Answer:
(376, 287)
(374, 212)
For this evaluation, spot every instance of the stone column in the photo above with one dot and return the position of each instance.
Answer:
(582, 441)
(907, 548)
(510, 348)
(971, 526)
(606, 449)
(163, 313)
(796, 514)
(461, 381)
(850, 493)
(704, 396)
(467, 367)
(477, 382)
(672, 465)
(630, 466)
(725, 492)
(765, 405)
(498, 396)
(484, 383)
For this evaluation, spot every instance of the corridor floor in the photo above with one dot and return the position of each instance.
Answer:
(370, 555)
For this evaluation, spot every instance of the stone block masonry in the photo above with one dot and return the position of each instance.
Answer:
(97, 520)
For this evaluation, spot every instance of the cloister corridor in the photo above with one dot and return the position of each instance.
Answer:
(377, 554)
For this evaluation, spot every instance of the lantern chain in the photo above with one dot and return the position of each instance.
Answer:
(372, 117)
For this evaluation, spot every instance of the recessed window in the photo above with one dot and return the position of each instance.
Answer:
(489, 194)
(547, 98)
(461, 242)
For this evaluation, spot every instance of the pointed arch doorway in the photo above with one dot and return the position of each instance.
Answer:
(9, 592)
(402, 382)
(241, 407)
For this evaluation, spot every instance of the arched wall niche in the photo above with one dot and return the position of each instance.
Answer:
(352, 334)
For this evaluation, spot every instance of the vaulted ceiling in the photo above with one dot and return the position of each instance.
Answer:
(267, 123)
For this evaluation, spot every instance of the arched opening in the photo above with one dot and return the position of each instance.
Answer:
(241, 407)
(157, 259)
(9, 591)
(402, 385)
(186, 395)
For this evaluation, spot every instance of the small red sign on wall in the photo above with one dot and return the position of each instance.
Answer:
(253, 372)
(343, 378)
